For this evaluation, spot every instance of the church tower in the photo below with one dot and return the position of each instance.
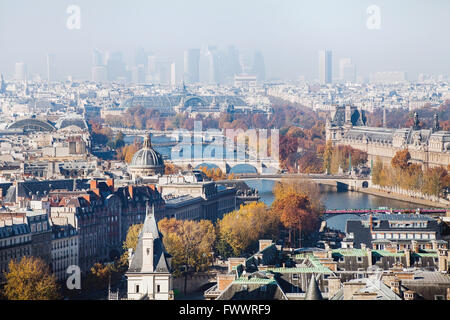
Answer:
(149, 273)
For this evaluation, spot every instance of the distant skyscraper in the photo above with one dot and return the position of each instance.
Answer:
(347, 70)
(116, 67)
(138, 74)
(51, 67)
(2, 85)
(173, 75)
(325, 66)
(159, 69)
(20, 71)
(99, 74)
(246, 63)
(97, 58)
(259, 68)
(140, 57)
(192, 65)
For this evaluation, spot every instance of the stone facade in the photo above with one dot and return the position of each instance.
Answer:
(429, 147)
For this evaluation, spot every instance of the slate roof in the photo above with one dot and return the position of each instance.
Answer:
(372, 286)
(8, 231)
(160, 256)
(313, 291)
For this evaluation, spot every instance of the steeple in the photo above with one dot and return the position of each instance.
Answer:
(436, 123)
(313, 291)
(416, 121)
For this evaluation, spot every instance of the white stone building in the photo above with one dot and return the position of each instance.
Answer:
(149, 275)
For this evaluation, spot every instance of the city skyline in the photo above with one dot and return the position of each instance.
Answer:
(288, 34)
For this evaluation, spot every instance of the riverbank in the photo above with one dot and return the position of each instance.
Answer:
(396, 196)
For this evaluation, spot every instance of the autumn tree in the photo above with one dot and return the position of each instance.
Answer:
(130, 242)
(170, 168)
(30, 279)
(296, 211)
(401, 159)
(189, 242)
(377, 172)
(241, 229)
(435, 181)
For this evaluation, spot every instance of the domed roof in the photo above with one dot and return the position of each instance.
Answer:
(147, 157)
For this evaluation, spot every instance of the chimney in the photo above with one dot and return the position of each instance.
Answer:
(363, 246)
(130, 191)
(233, 262)
(334, 284)
(396, 286)
(408, 258)
(264, 244)
(87, 197)
(93, 184)
(224, 280)
(369, 256)
(409, 295)
(443, 260)
(110, 184)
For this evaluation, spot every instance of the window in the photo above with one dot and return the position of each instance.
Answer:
(439, 297)
(158, 288)
(137, 288)
(359, 259)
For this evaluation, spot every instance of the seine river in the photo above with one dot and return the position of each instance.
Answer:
(332, 199)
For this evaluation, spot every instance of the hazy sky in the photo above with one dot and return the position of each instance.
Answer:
(414, 34)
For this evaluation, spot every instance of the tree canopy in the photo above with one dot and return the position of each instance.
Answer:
(30, 279)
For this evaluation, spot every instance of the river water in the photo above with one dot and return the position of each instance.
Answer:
(332, 199)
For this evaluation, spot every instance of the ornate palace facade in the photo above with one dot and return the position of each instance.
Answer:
(430, 147)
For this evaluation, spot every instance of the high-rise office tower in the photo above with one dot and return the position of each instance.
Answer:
(173, 75)
(97, 58)
(20, 71)
(192, 65)
(158, 69)
(138, 74)
(246, 62)
(347, 71)
(325, 67)
(116, 66)
(259, 68)
(140, 57)
(51, 67)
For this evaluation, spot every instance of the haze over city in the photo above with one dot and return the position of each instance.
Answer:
(410, 38)
(193, 150)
